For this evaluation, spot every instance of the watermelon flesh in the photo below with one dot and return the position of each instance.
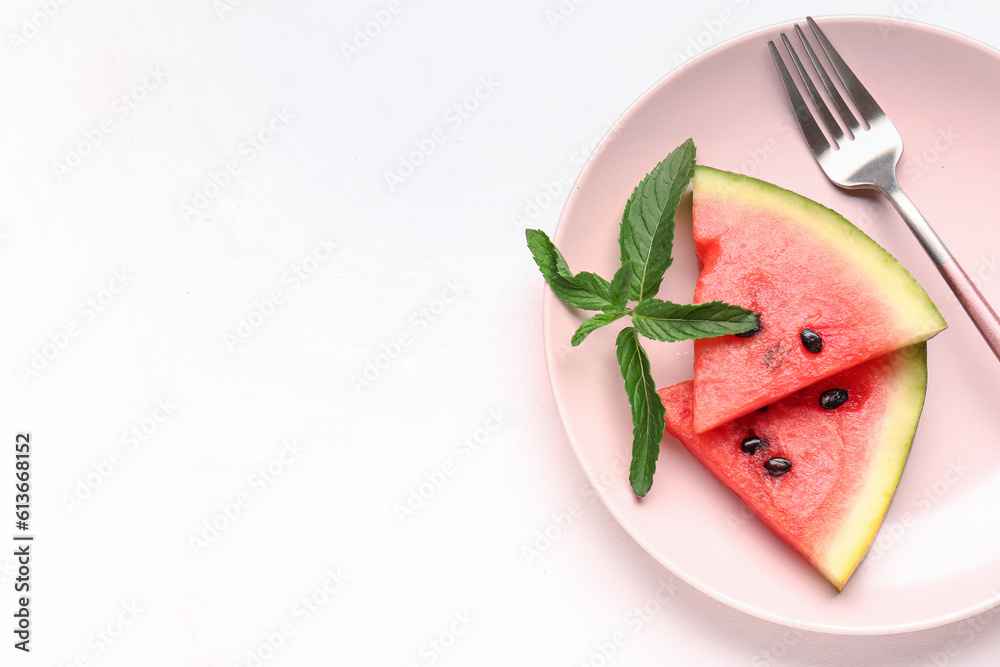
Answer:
(845, 462)
(801, 266)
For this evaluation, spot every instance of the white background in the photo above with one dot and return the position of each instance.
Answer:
(221, 310)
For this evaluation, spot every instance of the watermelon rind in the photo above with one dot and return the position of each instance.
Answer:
(871, 303)
(898, 430)
(913, 307)
(834, 528)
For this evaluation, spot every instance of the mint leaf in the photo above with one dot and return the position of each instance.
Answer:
(620, 284)
(648, 413)
(646, 236)
(594, 285)
(583, 290)
(594, 323)
(666, 321)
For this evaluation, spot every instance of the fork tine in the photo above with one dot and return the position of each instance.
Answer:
(838, 100)
(869, 108)
(824, 111)
(810, 129)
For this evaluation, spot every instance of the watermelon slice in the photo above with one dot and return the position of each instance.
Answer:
(820, 477)
(829, 296)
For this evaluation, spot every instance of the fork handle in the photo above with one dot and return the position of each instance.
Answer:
(975, 304)
(972, 300)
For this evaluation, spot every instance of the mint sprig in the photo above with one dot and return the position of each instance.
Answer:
(583, 290)
(646, 238)
(594, 323)
(666, 321)
(648, 412)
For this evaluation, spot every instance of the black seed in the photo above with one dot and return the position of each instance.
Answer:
(778, 466)
(753, 332)
(751, 444)
(812, 341)
(831, 399)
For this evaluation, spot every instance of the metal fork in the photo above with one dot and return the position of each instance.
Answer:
(867, 157)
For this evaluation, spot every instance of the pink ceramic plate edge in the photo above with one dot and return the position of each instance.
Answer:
(688, 522)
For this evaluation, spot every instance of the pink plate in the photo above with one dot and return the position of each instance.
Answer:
(937, 557)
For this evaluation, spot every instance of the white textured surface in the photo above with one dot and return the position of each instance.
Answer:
(227, 269)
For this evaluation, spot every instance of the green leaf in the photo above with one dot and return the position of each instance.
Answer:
(645, 241)
(594, 323)
(666, 321)
(646, 236)
(648, 413)
(619, 289)
(583, 290)
(596, 286)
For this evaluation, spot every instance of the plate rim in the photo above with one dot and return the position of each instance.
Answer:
(549, 301)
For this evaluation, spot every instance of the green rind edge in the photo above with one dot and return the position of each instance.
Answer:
(858, 531)
(891, 278)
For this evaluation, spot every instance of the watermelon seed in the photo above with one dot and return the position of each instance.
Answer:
(831, 399)
(778, 466)
(753, 332)
(751, 444)
(812, 341)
